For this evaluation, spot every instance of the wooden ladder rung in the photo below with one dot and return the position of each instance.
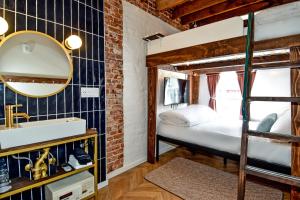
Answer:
(276, 99)
(275, 136)
(273, 176)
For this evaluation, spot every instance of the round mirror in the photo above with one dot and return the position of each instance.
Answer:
(34, 64)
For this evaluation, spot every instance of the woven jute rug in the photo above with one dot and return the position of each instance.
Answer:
(194, 181)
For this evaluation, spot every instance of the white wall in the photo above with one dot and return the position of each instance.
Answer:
(267, 83)
(270, 83)
(137, 24)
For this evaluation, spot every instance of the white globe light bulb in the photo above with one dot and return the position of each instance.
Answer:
(73, 42)
(3, 26)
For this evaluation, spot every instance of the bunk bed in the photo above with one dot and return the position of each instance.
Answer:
(232, 47)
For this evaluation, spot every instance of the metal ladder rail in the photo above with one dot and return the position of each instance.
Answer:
(244, 168)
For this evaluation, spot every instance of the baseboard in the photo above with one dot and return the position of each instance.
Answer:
(126, 168)
(130, 166)
(102, 184)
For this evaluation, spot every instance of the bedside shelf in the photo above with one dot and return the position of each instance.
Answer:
(23, 184)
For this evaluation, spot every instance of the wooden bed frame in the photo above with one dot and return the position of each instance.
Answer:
(227, 47)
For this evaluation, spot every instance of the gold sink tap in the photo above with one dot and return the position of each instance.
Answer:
(9, 115)
(40, 167)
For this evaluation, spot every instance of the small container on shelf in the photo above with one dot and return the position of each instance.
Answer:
(4, 177)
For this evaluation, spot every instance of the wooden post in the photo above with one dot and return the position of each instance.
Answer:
(194, 79)
(295, 92)
(152, 85)
(190, 78)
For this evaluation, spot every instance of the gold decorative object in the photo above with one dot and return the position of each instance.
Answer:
(40, 167)
(9, 115)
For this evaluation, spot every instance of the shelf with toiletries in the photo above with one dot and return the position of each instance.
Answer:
(22, 184)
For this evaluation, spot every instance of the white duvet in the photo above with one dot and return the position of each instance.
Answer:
(225, 135)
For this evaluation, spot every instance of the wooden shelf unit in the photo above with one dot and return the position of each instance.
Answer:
(23, 184)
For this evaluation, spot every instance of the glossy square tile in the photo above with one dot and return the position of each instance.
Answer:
(52, 102)
(22, 100)
(10, 18)
(41, 26)
(32, 106)
(75, 14)
(61, 102)
(31, 10)
(83, 71)
(41, 9)
(89, 20)
(59, 9)
(31, 23)
(82, 21)
(21, 22)
(68, 99)
(21, 6)
(42, 106)
(50, 10)
(67, 12)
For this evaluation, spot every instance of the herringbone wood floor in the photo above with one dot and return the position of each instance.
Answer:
(131, 185)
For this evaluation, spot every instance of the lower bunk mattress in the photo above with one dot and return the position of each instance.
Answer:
(225, 135)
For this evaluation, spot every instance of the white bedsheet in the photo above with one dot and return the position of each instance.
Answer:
(226, 136)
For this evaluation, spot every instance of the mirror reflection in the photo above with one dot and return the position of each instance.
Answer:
(34, 64)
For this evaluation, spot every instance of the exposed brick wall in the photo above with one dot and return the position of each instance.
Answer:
(150, 7)
(113, 12)
(113, 19)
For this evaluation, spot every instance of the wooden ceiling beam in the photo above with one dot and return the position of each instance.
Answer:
(242, 11)
(227, 10)
(208, 50)
(219, 48)
(225, 7)
(219, 70)
(262, 66)
(194, 6)
(167, 4)
(295, 54)
(238, 62)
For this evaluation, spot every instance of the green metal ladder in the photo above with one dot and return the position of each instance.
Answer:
(244, 168)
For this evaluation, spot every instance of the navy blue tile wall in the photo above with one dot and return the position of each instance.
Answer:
(59, 19)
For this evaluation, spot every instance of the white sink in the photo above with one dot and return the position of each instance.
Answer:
(40, 131)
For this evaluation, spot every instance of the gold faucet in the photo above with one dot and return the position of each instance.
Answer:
(40, 167)
(9, 115)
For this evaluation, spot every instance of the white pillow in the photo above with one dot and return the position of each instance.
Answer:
(189, 116)
(283, 124)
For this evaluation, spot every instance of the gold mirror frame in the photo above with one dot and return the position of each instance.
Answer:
(65, 50)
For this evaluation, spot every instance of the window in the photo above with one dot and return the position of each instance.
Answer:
(228, 96)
